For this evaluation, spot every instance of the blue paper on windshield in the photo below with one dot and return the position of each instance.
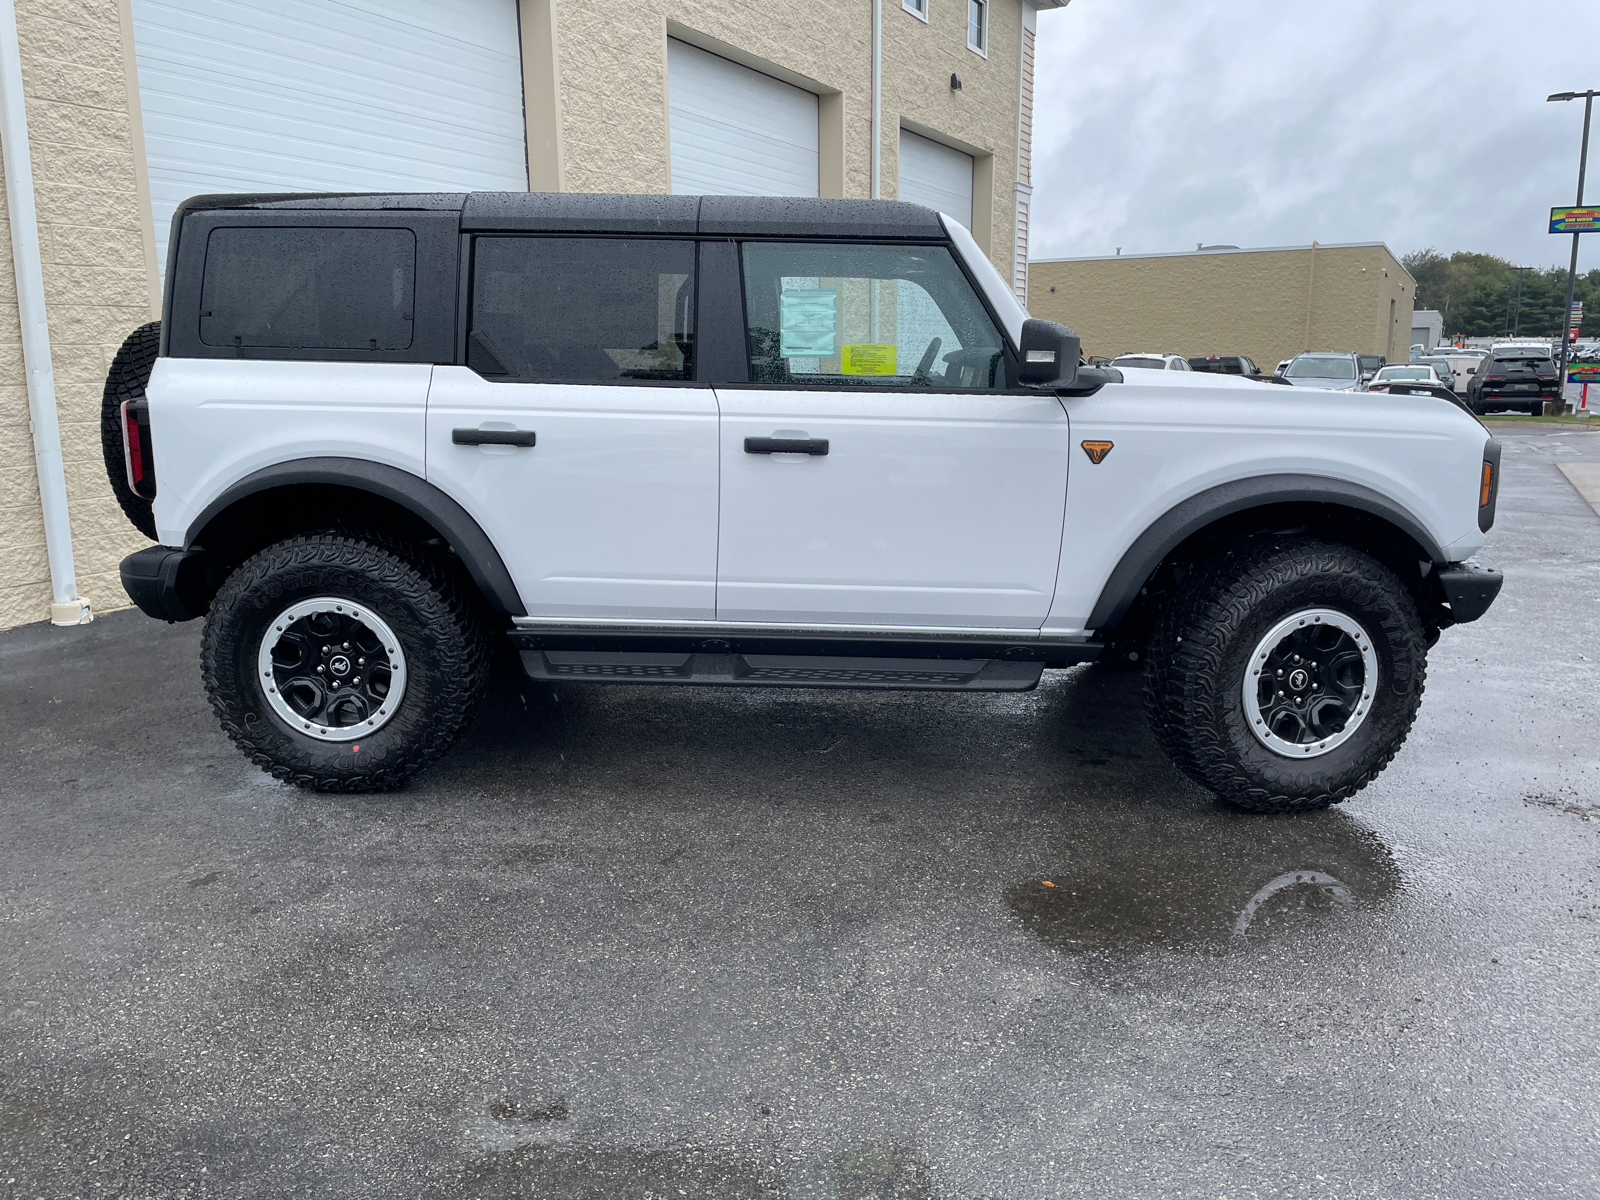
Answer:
(807, 322)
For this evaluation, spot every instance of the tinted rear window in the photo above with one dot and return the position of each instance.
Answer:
(582, 309)
(311, 289)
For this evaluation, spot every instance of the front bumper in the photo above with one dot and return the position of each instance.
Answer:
(1469, 589)
(167, 583)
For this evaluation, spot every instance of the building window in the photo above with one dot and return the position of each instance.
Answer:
(978, 26)
(917, 8)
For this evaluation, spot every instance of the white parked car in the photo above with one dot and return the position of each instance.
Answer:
(744, 441)
(1152, 362)
(1409, 373)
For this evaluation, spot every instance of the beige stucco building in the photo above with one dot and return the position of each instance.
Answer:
(1266, 304)
(131, 105)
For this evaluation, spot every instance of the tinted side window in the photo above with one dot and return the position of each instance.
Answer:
(308, 288)
(583, 309)
(836, 314)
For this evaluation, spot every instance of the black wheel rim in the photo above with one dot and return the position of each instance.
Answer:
(331, 669)
(1309, 684)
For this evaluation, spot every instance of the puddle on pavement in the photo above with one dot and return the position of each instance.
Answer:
(1212, 879)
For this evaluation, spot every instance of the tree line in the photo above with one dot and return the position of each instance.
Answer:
(1477, 294)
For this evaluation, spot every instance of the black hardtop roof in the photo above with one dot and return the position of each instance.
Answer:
(578, 212)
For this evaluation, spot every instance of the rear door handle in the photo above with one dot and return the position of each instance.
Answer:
(786, 445)
(492, 437)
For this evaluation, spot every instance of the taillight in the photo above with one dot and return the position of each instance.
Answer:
(137, 452)
(1495, 379)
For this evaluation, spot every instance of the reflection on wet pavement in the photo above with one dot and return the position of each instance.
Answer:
(1206, 879)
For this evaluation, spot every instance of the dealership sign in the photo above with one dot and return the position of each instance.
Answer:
(1575, 220)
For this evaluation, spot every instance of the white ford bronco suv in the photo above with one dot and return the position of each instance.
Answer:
(751, 441)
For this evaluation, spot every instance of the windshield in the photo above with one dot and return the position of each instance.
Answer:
(1405, 373)
(1158, 364)
(1322, 368)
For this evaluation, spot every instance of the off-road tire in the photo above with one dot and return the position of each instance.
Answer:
(1200, 652)
(425, 599)
(126, 380)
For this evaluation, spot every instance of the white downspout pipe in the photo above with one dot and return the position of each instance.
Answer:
(877, 99)
(67, 607)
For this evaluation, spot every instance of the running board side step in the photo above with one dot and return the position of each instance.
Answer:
(784, 670)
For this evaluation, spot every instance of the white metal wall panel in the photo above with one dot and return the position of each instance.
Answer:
(737, 132)
(328, 95)
(935, 175)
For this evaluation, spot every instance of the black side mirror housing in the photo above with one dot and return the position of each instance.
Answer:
(1050, 354)
(1051, 357)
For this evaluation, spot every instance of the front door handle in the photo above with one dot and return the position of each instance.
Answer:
(492, 437)
(786, 445)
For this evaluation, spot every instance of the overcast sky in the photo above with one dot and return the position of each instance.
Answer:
(1162, 123)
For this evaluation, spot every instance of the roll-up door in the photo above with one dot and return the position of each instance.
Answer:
(306, 95)
(935, 175)
(735, 131)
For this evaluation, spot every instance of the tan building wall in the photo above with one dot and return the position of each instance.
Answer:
(607, 130)
(1267, 304)
(97, 256)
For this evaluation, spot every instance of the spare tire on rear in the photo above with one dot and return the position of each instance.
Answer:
(130, 371)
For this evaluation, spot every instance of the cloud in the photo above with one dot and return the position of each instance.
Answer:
(1160, 124)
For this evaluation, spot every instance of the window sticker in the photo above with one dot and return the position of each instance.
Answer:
(807, 322)
(866, 358)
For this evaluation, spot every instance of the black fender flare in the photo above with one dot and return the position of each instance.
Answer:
(1190, 516)
(427, 502)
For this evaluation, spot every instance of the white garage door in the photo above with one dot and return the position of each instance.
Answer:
(325, 96)
(735, 131)
(935, 175)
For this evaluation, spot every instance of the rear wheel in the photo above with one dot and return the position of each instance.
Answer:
(1286, 674)
(344, 664)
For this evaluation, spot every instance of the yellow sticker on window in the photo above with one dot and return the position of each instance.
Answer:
(865, 358)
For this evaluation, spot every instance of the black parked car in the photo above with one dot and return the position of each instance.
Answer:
(1224, 364)
(1515, 380)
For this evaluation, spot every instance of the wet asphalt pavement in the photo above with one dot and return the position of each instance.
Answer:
(637, 942)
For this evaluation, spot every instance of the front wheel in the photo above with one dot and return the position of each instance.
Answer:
(1286, 674)
(343, 664)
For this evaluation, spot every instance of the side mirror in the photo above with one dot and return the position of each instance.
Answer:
(1050, 354)
(1472, 370)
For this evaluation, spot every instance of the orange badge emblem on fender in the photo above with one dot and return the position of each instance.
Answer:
(1097, 451)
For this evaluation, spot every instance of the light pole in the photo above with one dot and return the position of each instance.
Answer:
(1572, 271)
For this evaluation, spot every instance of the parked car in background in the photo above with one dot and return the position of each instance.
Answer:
(1224, 364)
(1371, 364)
(1283, 365)
(1408, 373)
(1457, 368)
(1515, 379)
(1152, 362)
(1336, 372)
